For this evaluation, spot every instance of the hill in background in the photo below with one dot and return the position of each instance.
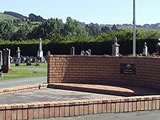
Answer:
(10, 15)
(6, 17)
(32, 17)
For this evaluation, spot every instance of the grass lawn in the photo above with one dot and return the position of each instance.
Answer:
(21, 73)
(23, 65)
(13, 74)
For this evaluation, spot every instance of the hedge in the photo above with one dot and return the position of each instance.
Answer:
(98, 48)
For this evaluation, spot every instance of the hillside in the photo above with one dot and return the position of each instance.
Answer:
(14, 14)
(6, 17)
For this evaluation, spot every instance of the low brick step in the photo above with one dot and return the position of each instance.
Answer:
(103, 89)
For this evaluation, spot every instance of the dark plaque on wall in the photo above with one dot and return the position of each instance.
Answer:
(127, 69)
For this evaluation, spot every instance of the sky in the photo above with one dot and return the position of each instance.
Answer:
(95, 11)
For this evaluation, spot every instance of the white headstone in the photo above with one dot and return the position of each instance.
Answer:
(18, 59)
(145, 49)
(40, 51)
(115, 48)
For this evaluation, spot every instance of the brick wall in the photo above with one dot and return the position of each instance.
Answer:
(103, 70)
(77, 108)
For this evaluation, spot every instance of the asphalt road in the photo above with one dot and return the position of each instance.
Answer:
(146, 115)
(22, 82)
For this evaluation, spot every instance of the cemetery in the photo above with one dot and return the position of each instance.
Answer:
(83, 84)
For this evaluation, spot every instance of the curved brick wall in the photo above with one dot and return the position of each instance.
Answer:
(103, 70)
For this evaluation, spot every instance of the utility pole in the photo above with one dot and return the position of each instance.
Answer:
(134, 28)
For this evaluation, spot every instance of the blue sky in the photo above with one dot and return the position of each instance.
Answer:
(96, 11)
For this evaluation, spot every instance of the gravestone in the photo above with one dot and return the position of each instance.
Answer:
(18, 58)
(115, 48)
(145, 49)
(40, 51)
(89, 50)
(28, 62)
(158, 46)
(1, 60)
(72, 51)
(86, 53)
(6, 60)
(82, 53)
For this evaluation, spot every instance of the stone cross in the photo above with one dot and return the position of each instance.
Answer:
(145, 49)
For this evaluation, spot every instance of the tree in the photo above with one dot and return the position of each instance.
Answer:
(48, 29)
(114, 28)
(22, 33)
(93, 29)
(74, 28)
(6, 30)
(105, 29)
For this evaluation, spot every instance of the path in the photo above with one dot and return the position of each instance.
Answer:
(22, 82)
(146, 115)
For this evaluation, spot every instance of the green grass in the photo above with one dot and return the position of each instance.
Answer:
(23, 65)
(6, 17)
(13, 74)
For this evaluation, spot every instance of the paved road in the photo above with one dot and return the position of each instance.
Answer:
(146, 115)
(22, 82)
(49, 95)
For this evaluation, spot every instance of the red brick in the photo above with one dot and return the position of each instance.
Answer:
(41, 111)
(113, 107)
(95, 107)
(86, 108)
(8, 113)
(100, 107)
(130, 105)
(121, 106)
(66, 109)
(81, 109)
(36, 111)
(109, 105)
(30, 111)
(2, 112)
(142, 105)
(19, 112)
(52, 111)
(77, 111)
(157, 104)
(104, 105)
(138, 105)
(25, 112)
(150, 105)
(154, 105)
(146, 105)
(117, 107)
(62, 112)
(71, 109)
(57, 110)
(134, 105)
(46, 110)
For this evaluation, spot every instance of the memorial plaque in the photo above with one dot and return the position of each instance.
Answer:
(127, 69)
